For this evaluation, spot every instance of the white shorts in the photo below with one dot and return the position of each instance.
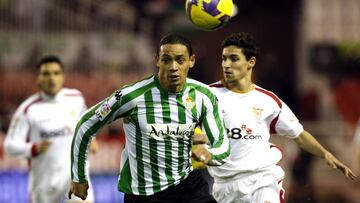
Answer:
(259, 187)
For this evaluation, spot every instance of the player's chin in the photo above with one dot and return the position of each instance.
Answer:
(175, 84)
(229, 78)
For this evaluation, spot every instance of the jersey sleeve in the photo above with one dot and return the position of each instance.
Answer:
(106, 111)
(213, 126)
(287, 124)
(16, 143)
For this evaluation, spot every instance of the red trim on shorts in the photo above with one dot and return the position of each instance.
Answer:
(282, 198)
(282, 193)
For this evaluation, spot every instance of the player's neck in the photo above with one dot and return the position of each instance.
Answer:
(241, 86)
(49, 95)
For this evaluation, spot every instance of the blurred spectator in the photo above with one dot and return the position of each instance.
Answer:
(32, 12)
(31, 58)
(155, 11)
(84, 62)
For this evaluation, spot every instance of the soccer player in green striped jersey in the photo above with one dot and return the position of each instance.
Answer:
(159, 113)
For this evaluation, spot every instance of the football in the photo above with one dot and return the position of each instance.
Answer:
(209, 14)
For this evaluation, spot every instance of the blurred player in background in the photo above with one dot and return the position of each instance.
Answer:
(251, 114)
(160, 113)
(42, 130)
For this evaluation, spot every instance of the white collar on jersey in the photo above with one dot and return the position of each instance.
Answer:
(47, 97)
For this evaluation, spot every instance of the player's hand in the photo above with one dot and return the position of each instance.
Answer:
(200, 139)
(201, 154)
(79, 190)
(41, 147)
(336, 164)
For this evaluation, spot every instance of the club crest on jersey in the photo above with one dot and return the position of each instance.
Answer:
(103, 111)
(189, 103)
(257, 112)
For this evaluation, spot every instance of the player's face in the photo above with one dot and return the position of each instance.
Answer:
(235, 65)
(174, 63)
(51, 78)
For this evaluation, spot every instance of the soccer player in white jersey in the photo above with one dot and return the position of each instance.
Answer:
(41, 131)
(251, 114)
(160, 113)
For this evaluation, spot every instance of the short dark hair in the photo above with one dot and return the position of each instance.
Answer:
(244, 41)
(50, 59)
(175, 39)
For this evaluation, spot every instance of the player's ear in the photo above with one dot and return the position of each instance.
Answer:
(192, 60)
(156, 60)
(252, 61)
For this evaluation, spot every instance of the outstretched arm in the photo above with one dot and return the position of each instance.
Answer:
(308, 143)
(16, 142)
(87, 127)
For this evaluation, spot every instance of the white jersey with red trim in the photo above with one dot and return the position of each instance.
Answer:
(250, 118)
(41, 117)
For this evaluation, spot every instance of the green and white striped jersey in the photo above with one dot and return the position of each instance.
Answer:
(158, 127)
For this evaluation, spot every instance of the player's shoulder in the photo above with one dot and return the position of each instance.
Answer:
(197, 84)
(217, 85)
(203, 90)
(143, 84)
(267, 94)
(30, 101)
(131, 92)
(71, 92)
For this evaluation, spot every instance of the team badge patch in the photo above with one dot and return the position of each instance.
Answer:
(103, 110)
(257, 112)
(189, 103)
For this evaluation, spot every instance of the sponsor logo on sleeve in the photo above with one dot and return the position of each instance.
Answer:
(118, 95)
(103, 111)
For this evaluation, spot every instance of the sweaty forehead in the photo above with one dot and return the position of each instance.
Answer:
(173, 50)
